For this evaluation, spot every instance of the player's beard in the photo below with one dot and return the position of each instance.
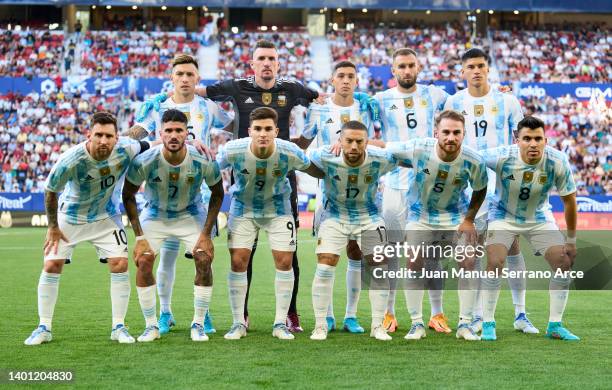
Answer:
(407, 84)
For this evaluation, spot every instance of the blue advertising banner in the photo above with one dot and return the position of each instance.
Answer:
(601, 204)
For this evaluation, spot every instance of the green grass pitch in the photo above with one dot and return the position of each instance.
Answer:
(82, 328)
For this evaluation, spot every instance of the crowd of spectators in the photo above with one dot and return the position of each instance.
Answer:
(567, 56)
(31, 53)
(293, 52)
(121, 53)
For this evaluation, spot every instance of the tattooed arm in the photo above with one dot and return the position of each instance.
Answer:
(54, 234)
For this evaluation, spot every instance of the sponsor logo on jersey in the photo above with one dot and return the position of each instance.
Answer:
(157, 180)
(282, 100)
(89, 177)
(527, 177)
(511, 177)
(244, 171)
(393, 107)
(329, 121)
(478, 110)
(464, 113)
(337, 178)
(426, 171)
(266, 98)
(249, 100)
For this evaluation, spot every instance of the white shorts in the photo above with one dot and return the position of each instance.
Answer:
(334, 236)
(439, 239)
(282, 235)
(541, 236)
(318, 214)
(395, 212)
(107, 235)
(186, 229)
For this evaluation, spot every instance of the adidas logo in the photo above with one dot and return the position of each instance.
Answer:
(426, 171)
(464, 113)
(337, 178)
(393, 107)
(292, 242)
(157, 180)
(511, 177)
(249, 101)
(89, 178)
(244, 171)
(330, 120)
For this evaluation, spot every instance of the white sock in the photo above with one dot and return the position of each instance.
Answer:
(379, 296)
(201, 301)
(414, 292)
(148, 301)
(322, 288)
(467, 297)
(165, 274)
(490, 294)
(330, 308)
(518, 286)
(48, 287)
(435, 301)
(478, 286)
(237, 286)
(559, 291)
(120, 296)
(283, 288)
(393, 264)
(353, 288)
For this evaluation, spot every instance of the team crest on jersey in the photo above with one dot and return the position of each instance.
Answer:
(527, 177)
(352, 179)
(277, 173)
(105, 171)
(200, 117)
(174, 176)
(408, 102)
(542, 179)
(442, 175)
(367, 179)
(494, 109)
(266, 98)
(424, 102)
(345, 118)
(260, 171)
(282, 100)
(478, 110)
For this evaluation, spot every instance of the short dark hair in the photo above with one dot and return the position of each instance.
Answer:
(344, 64)
(263, 113)
(475, 53)
(103, 118)
(181, 59)
(353, 125)
(530, 122)
(449, 114)
(264, 44)
(174, 115)
(404, 51)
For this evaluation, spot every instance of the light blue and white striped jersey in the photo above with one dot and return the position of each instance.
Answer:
(521, 192)
(324, 121)
(437, 195)
(261, 188)
(349, 193)
(92, 188)
(406, 116)
(173, 191)
(489, 123)
(203, 115)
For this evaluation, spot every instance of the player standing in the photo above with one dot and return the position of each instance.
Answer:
(173, 174)
(203, 116)
(407, 112)
(323, 124)
(490, 116)
(88, 175)
(260, 200)
(526, 173)
(443, 168)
